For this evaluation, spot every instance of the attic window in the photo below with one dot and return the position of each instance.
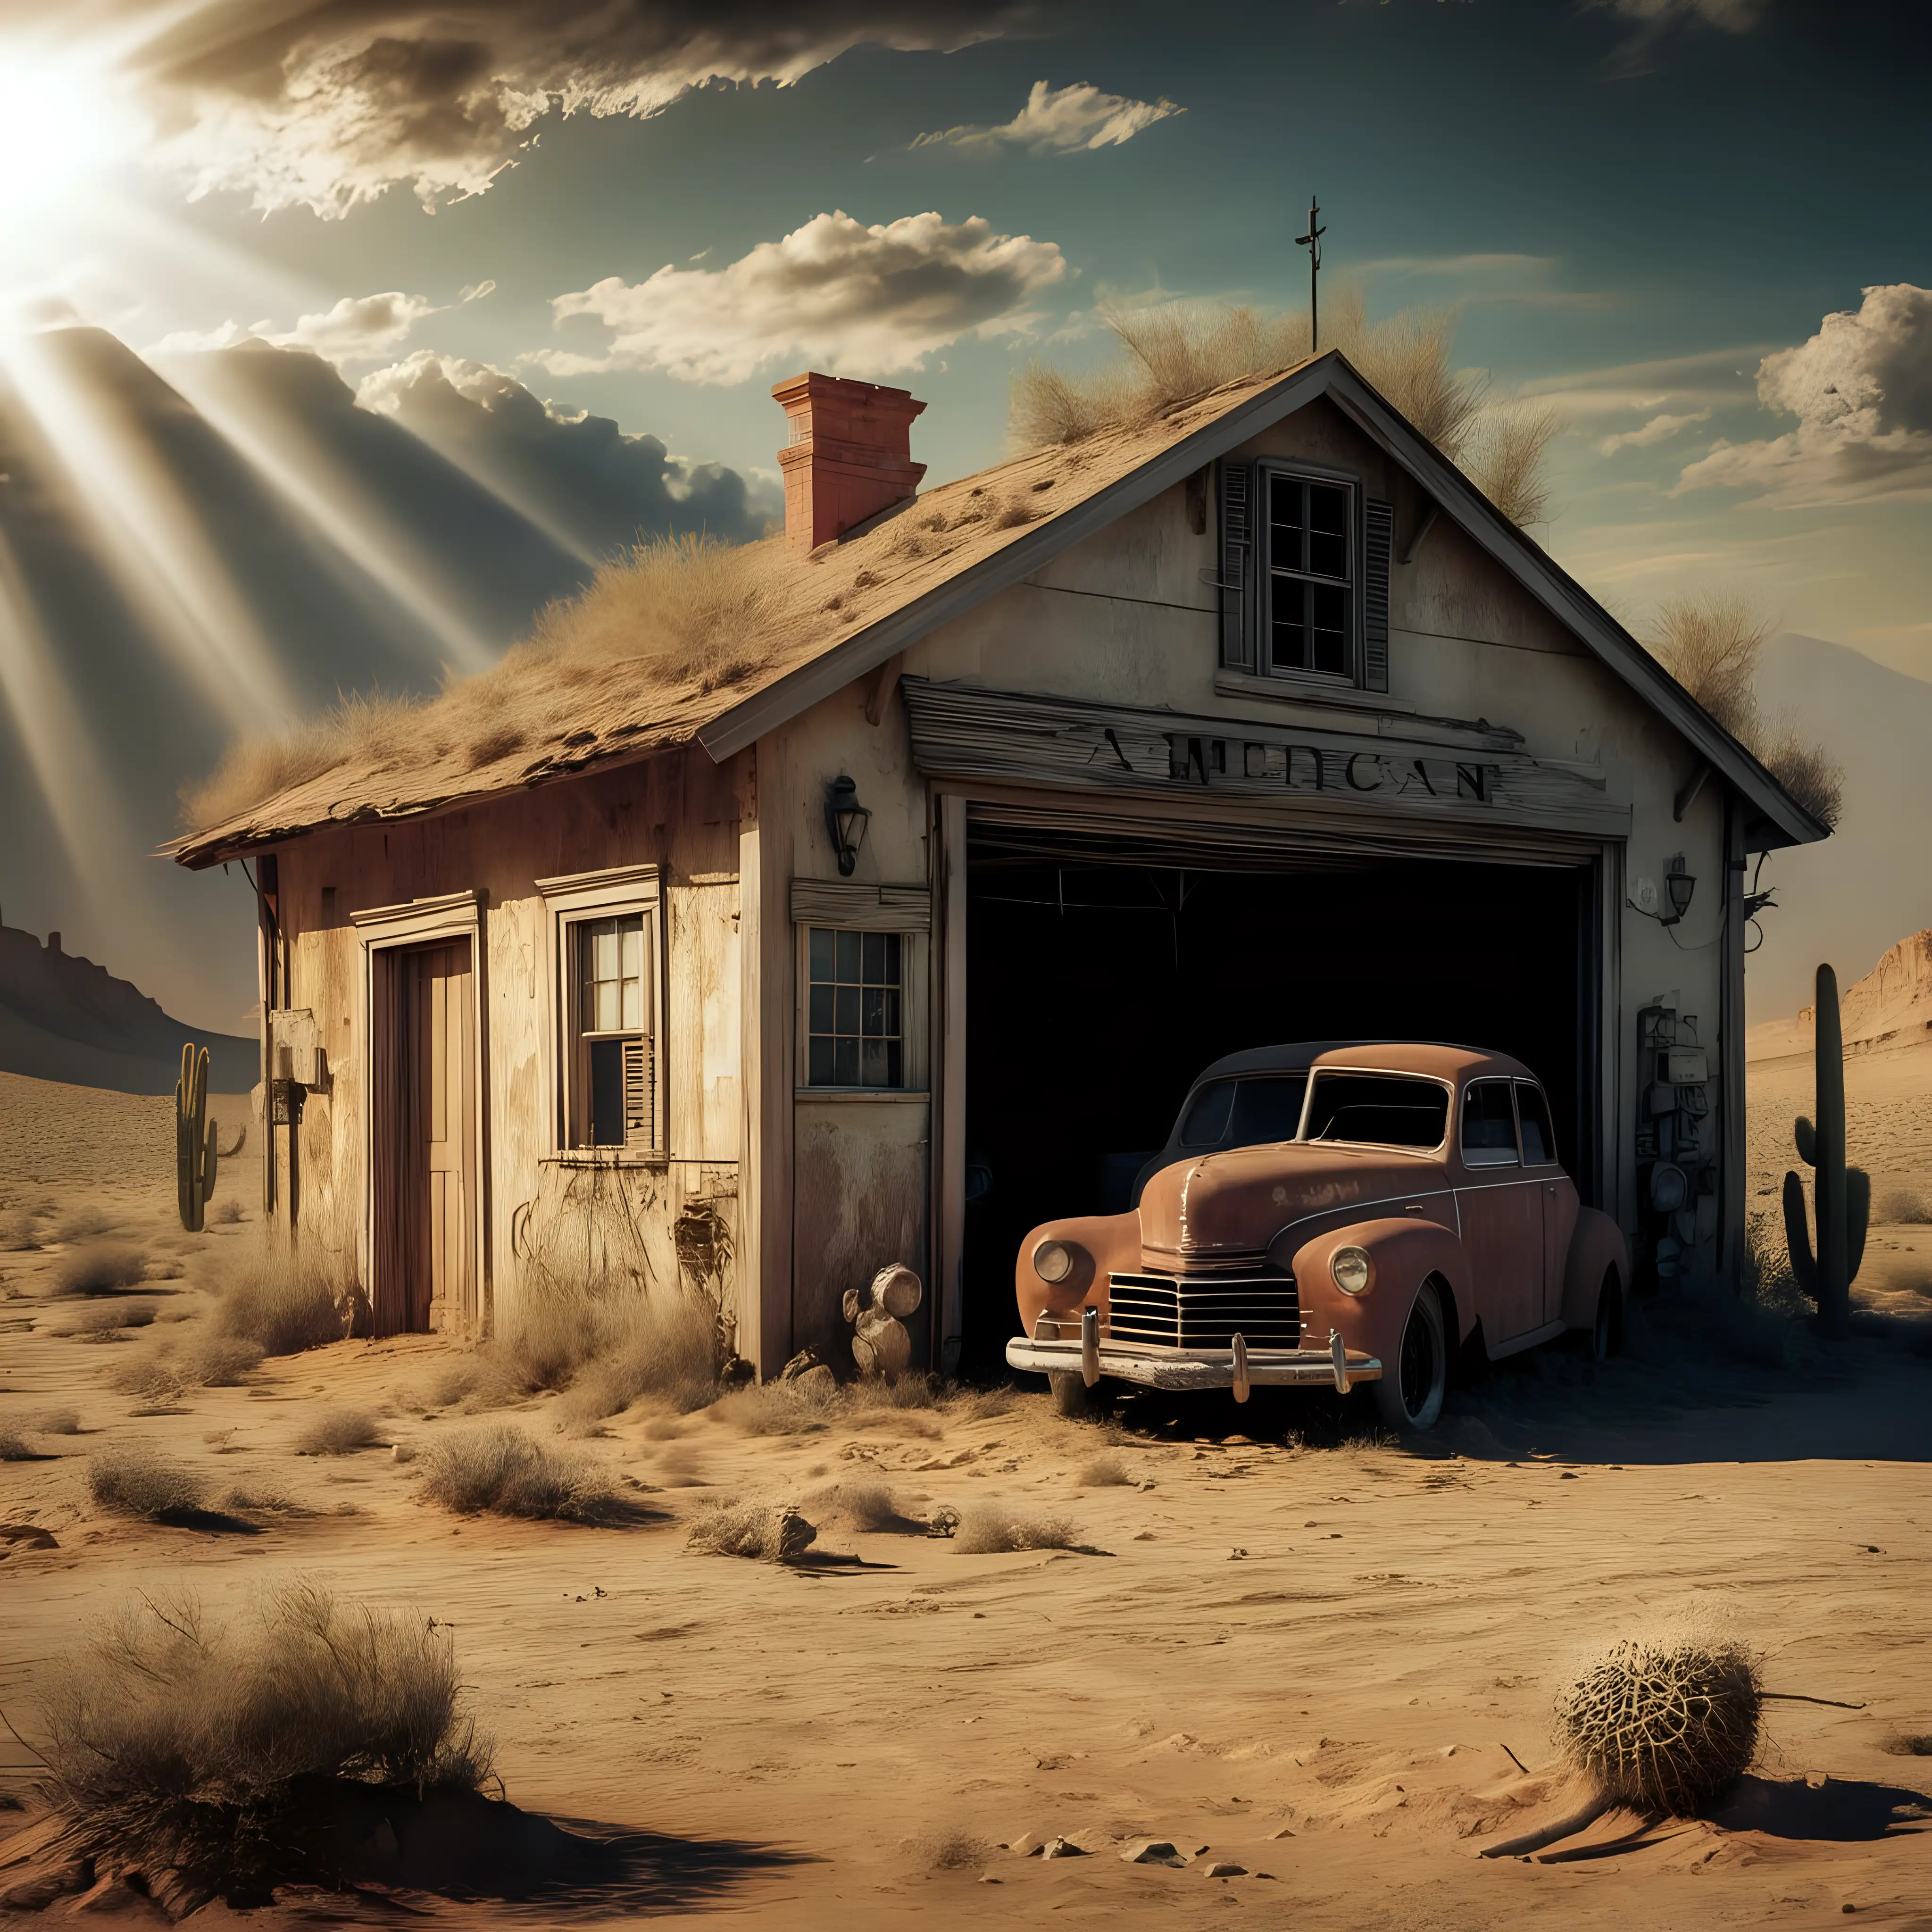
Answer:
(1311, 577)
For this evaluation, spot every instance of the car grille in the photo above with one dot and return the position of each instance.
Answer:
(1178, 1311)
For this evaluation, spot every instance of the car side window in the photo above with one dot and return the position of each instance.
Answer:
(1206, 1119)
(1489, 1125)
(1539, 1143)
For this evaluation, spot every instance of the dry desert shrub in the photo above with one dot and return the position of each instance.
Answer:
(1105, 1472)
(866, 1507)
(500, 1470)
(1662, 1721)
(755, 1530)
(1908, 1744)
(80, 1224)
(19, 1231)
(165, 1373)
(138, 1480)
(1711, 645)
(987, 1529)
(1171, 354)
(1905, 1206)
(174, 1743)
(950, 1851)
(682, 615)
(282, 1299)
(611, 1347)
(100, 1268)
(56, 1422)
(14, 1446)
(338, 1432)
(108, 1322)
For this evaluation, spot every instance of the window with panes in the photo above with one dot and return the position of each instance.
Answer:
(855, 1008)
(615, 1095)
(1310, 624)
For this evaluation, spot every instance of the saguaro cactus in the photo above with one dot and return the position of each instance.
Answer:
(1843, 1193)
(195, 1151)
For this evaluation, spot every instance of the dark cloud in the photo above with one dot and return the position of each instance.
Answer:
(577, 474)
(330, 103)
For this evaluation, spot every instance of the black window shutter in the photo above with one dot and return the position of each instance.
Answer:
(1379, 542)
(1238, 498)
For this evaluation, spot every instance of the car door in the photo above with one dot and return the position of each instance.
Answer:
(1501, 1208)
(1557, 1192)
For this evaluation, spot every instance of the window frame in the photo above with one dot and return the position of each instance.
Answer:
(1555, 1159)
(1489, 1158)
(915, 968)
(1451, 1125)
(570, 903)
(1267, 471)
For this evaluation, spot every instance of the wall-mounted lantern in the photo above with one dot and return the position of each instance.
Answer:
(846, 819)
(1680, 885)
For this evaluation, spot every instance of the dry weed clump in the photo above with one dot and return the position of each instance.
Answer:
(100, 1268)
(80, 1224)
(950, 1851)
(14, 1446)
(283, 1301)
(866, 1508)
(177, 1744)
(339, 1431)
(1172, 354)
(501, 1471)
(138, 1480)
(611, 1346)
(19, 1231)
(683, 614)
(755, 1530)
(987, 1529)
(1662, 1722)
(1905, 1206)
(108, 1322)
(1712, 645)
(56, 1422)
(167, 1373)
(1105, 1472)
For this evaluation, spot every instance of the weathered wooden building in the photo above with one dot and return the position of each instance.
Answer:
(1036, 791)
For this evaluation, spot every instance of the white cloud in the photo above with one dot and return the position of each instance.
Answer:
(1062, 121)
(358, 329)
(867, 301)
(1861, 391)
(1659, 429)
(328, 104)
(1733, 17)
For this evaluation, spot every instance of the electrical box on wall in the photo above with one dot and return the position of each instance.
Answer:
(1673, 1172)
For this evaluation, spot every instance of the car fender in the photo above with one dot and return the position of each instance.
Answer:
(1597, 1245)
(1102, 1244)
(1403, 1252)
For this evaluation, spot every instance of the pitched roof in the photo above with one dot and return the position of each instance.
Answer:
(848, 607)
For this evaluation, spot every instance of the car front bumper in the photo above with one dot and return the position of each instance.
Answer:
(1238, 1368)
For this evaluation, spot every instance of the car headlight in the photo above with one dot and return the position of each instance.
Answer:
(1053, 1261)
(1350, 1267)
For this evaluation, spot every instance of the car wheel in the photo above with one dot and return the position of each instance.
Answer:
(1071, 1397)
(1607, 1334)
(1409, 1394)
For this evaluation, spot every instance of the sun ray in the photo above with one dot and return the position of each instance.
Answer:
(150, 539)
(321, 490)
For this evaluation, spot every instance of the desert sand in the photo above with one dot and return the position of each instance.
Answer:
(1331, 1667)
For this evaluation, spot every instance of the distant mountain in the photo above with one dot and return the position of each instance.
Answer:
(1845, 901)
(1891, 1005)
(67, 1019)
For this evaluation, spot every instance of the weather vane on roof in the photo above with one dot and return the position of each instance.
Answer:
(1311, 241)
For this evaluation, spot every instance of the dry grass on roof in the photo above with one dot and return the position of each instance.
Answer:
(661, 643)
(1169, 354)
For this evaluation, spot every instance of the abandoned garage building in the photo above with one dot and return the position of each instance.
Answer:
(1033, 793)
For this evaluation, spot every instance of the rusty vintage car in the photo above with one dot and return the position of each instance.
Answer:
(1419, 1209)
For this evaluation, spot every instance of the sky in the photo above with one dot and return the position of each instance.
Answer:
(336, 336)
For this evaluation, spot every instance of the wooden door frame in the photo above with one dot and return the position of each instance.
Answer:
(386, 930)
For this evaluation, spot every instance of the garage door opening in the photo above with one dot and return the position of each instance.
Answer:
(1098, 987)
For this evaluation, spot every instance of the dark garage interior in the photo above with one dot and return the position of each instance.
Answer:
(1098, 988)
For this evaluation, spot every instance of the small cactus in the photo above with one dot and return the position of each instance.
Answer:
(1843, 1193)
(196, 1152)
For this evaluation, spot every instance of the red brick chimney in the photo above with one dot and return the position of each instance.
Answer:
(849, 455)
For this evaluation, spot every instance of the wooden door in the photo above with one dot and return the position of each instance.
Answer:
(448, 1061)
(424, 1092)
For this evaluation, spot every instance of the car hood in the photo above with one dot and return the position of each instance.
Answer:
(1232, 1204)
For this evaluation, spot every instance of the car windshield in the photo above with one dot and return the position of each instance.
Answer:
(1383, 1109)
(1251, 1111)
